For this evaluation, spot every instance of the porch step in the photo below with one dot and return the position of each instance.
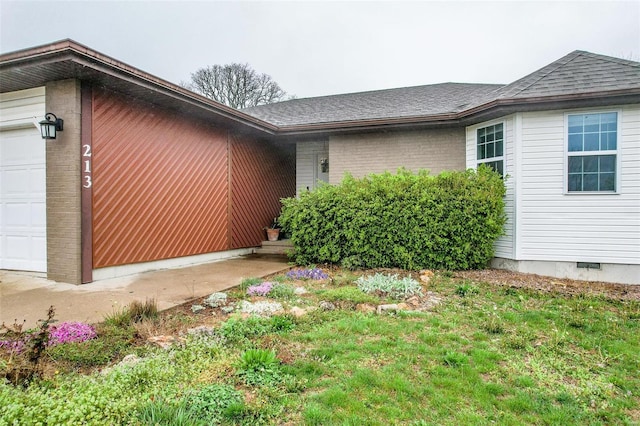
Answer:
(280, 247)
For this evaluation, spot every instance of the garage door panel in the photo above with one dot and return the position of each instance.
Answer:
(22, 200)
(22, 147)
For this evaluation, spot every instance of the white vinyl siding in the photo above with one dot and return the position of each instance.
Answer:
(558, 226)
(505, 245)
(307, 155)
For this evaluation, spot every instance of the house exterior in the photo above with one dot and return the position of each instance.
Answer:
(144, 175)
(147, 174)
(566, 137)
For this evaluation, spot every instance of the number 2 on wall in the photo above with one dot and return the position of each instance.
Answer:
(86, 171)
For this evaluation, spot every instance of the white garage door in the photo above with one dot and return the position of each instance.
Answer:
(23, 239)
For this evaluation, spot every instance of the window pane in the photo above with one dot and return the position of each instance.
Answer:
(609, 140)
(491, 136)
(575, 124)
(499, 135)
(575, 164)
(590, 182)
(499, 149)
(592, 123)
(500, 167)
(607, 163)
(590, 164)
(480, 152)
(575, 183)
(609, 121)
(607, 182)
(490, 150)
(575, 142)
(591, 141)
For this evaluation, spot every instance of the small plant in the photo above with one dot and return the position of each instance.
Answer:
(140, 311)
(212, 403)
(257, 359)
(259, 367)
(136, 311)
(347, 294)
(261, 289)
(280, 323)
(24, 361)
(282, 291)
(454, 359)
(466, 289)
(493, 325)
(68, 332)
(390, 285)
(307, 274)
(248, 282)
(160, 412)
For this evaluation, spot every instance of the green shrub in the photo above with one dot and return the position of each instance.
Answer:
(406, 220)
(390, 285)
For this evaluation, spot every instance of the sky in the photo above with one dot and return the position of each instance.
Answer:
(323, 48)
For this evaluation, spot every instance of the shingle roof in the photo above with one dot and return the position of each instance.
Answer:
(577, 73)
(433, 99)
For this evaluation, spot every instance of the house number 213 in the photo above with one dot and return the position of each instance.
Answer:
(86, 166)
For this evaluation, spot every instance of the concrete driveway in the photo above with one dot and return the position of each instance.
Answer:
(24, 296)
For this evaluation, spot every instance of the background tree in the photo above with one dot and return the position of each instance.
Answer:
(236, 85)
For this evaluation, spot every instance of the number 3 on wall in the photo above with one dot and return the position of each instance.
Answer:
(86, 170)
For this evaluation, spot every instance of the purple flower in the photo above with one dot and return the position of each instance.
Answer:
(260, 289)
(71, 332)
(305, 274)
(16, 346)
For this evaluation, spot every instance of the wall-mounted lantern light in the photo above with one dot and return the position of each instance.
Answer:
(324, 165)
(50, 125)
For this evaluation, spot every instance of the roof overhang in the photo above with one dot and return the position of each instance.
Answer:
(67, 59)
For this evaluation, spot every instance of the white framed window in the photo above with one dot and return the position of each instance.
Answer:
(490, 147)
(592, 152)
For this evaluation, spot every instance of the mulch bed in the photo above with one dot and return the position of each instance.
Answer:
(551, 284)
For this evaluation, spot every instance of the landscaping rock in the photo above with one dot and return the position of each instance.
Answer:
(426, 275)
(327, 306)
(297, 312)
(164, 342)
(201, 330)
(395, 307)
(131, 359)
(196, 309)
(262, 307)
(414, 301)
(299, 291)
(216, 300)
(365, 307)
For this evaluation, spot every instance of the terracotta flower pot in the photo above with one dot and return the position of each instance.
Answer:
(273, 234)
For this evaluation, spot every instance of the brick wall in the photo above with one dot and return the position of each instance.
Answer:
(63, 184)
(436, 150)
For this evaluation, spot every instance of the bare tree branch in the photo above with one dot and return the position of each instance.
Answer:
(236, 85)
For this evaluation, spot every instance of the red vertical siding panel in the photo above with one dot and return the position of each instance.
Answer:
(262, 174)
(160, 185)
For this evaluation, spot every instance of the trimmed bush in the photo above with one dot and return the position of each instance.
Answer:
(406, 220)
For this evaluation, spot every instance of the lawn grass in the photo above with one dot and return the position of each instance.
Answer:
(484, 354)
